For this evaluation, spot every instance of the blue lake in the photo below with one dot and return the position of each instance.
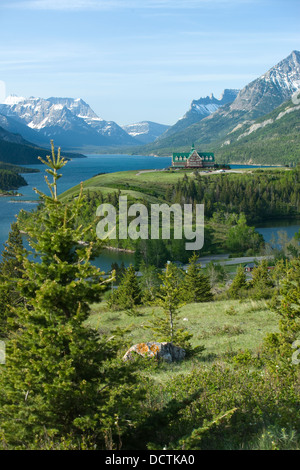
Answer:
(81, 169)
(76, 170)
(271, 229)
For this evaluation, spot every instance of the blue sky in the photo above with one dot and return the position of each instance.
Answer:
(141, 59)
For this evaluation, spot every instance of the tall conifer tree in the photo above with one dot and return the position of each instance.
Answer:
(196, 284)
(62, 386)
(169, 297)
(239, 283)
(11, 268)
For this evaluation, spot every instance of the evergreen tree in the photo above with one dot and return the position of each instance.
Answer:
(261, 276)
(119, 271)
(10, 271)
(11, 265)
(216, 273)
(239, 283)
(196, 284)
(149, 282)
(169, 297)
(282, 346)
(128, 295)
(138, 258)
(62, 385)
(262, 283)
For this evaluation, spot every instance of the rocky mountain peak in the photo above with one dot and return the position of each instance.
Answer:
(271, 89)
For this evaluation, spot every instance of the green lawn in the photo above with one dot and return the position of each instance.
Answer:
(137, 183)
(149, 183)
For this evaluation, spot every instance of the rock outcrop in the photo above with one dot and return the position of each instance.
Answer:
(166, 351)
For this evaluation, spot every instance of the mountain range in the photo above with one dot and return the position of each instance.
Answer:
(239, 126)
(71, 122)
(28, 125)
(255, 100)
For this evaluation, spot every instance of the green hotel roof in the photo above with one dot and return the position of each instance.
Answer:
(188, 154)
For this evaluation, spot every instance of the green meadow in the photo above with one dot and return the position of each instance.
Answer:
(144, 183)
(223, 327)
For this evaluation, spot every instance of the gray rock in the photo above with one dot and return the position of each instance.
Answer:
(166, 351)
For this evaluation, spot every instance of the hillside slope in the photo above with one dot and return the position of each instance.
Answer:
(15, 150)
(272, 139)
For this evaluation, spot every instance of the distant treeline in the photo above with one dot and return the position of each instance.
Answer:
(260, 195)
(17, 168)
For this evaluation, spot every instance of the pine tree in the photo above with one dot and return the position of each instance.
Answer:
(10, 271)
(149, 282)
(11, 265)
(128, 294)
(196, 284)
(239, 283)
(261, 277)
(282, 346)
(62, 385)
(289, 307)
(169, 297)
(261, 281)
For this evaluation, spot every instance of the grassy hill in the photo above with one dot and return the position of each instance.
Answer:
(150, 185)
(223, 327)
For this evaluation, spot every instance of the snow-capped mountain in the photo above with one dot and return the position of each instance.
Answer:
(145, 131)
(70, 122)
(202, 108)
(210, 104)
(255, 100)
(271, 89)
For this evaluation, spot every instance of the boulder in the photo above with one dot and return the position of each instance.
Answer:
(165, 351)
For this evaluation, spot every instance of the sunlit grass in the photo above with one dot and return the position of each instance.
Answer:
(223, 327)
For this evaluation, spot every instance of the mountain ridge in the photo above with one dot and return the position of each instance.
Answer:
(200, 109)
(145, 131)
(71, 122)
(16, 150)
(256, 99)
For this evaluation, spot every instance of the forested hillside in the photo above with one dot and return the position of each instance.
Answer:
(10, 180)
(273, 139)
(15, 150)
